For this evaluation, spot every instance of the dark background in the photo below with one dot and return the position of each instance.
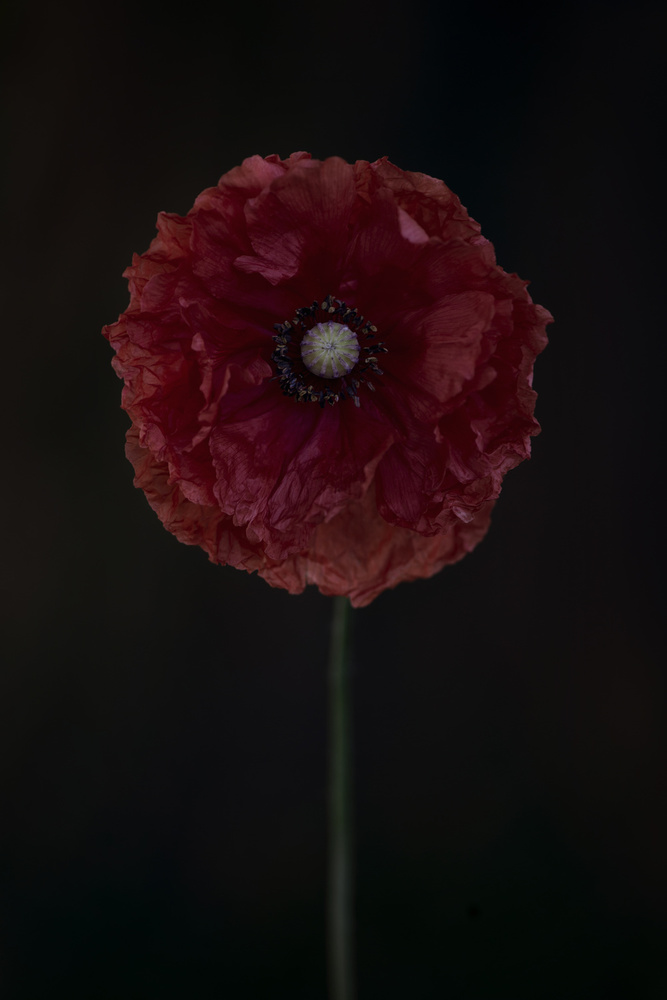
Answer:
(163, 720)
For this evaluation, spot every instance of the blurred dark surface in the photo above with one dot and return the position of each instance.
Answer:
(162, 754)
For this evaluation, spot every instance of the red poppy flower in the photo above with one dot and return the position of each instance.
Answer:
(327, 374)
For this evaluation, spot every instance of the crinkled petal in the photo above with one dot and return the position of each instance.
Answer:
(359, 555)
(304, 216)
(283, 467)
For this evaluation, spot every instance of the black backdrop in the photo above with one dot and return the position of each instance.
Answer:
(162, 753)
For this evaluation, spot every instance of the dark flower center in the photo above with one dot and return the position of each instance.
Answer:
(320, 357)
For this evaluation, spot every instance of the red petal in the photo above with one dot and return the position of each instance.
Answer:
(434, 351)
(304, 214)
(283, 467)
(359, 555)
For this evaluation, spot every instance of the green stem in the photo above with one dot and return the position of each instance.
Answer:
(340, 923)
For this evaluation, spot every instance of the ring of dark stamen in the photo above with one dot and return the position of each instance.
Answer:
(303, 385)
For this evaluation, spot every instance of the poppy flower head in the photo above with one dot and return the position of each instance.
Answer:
(327, 374)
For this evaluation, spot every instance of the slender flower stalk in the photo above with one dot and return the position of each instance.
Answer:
(340, 922)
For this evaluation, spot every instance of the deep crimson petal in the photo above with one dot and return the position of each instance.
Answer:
(282, 469)
(353, 476)
(435, 351)
(456, 266)
(216, 248)
(359, 555)
(417, 489)
(304, 215)
(427, 200)
(192, 523)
